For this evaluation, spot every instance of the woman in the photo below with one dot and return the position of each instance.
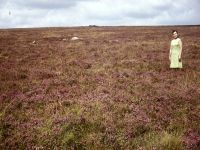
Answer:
(175, 51)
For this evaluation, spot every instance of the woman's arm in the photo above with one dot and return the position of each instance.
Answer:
(180, 44)
(170, 51)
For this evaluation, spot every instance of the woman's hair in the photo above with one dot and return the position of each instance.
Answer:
(174, 31)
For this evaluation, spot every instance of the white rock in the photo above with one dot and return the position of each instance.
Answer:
(74, 38)
(34, 42)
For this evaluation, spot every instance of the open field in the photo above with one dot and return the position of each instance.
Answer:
(111, 89)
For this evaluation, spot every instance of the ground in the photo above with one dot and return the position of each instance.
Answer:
(110, 89)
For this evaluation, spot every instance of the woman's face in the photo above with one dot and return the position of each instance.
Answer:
(175, 35)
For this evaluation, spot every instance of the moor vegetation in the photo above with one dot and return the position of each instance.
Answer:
(110, 89)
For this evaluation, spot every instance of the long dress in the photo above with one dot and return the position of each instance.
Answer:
(175, 52)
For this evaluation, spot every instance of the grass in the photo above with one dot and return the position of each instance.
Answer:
(114, 91)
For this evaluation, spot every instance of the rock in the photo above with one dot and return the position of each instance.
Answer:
(113, 41)
(74, 38)
(64, 39)
(34, 42)
(58, 73)
(116, 41)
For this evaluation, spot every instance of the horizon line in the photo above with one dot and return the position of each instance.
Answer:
(42, 27)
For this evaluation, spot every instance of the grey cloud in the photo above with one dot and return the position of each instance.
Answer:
(3, 3)
(141, 15)
(45, 4)
(37, 13)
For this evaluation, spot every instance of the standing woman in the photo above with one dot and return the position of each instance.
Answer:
(175, 51)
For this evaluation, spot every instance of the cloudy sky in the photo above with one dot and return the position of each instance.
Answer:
(49, 13)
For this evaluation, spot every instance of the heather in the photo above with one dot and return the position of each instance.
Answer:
(109, 89)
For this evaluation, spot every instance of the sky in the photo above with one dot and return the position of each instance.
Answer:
(64, 13)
